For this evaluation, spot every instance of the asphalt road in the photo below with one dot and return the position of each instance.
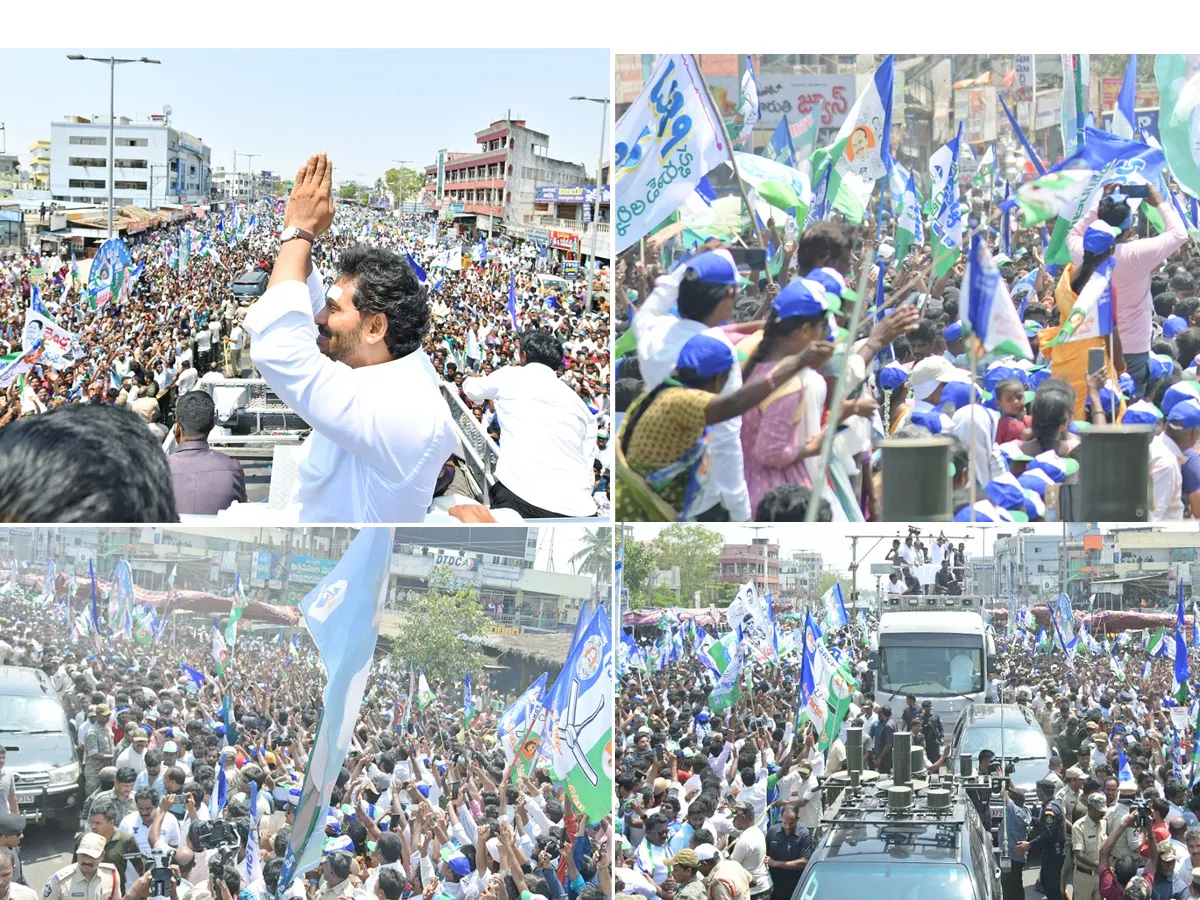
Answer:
(44, 850)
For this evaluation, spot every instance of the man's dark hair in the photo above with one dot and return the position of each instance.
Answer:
(540, 346)
(789, 503)
(625, 392)
(389, 882)
(1182, 281)
(1188, 342)
(385, 283)
(1164, 303)
(698, 299)
(389, 846)
(925, 333)
(270, 872)
(820, 243)
(280, 844)
(1113, 211)
(107, 808)
(107, 467)
(1187, 307)
(146, 793)
(196, 414)
(152, 758)
(126, 775)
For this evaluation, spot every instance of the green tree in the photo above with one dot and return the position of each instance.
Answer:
(434, 626)
(595, 556)
(696, 550)
(348, 191)
(1112, 65)
(640, 561)
(404, 183)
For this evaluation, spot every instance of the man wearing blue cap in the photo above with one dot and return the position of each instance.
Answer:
(1167, 452)
(955, 351)
(1136, 259)
(703, 293)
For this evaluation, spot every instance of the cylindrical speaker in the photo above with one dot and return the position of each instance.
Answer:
(916, 480)
(918, 761)
(965, 761)
(854, 749)
(1114, 473)
(902, 758)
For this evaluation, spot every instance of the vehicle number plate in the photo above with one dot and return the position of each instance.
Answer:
(26, 798)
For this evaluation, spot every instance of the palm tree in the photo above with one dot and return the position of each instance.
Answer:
(595, 556)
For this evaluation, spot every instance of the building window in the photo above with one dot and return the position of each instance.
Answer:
(81, 141)
(130, 164)
(87, 183)
(86, 161)
(130, 185)
(131, 142)
(510, 168)
(508, 197)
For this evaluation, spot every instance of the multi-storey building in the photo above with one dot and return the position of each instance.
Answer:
(757, 561)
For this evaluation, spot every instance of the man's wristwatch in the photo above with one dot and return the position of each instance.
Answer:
(293, 232)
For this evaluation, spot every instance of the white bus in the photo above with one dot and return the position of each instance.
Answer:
(937, 648)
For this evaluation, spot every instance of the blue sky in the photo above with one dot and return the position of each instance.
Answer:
(362, 107)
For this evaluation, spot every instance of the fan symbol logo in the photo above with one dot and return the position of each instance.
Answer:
(589, 658)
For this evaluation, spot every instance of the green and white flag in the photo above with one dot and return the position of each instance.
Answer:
(909, 229)
(235, 613)
(424, 695)
(826, 704)
(1076, 78)
(985, 173)
(775, 185)
(1178, 78)
(220, 651)
(1118, 669)
(728, 689)
(721, 652)
(863, 142)
(839, 194)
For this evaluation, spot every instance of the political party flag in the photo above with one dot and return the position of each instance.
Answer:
(220, 793)
(1076, 78)
(672, 119)
(106, 276)
(1073, 186)
(1178, 78)
(516, 719)
(251, 868)
(825, 686)
(235, 613)
(775, 185)
(343, 614)
(220, 650)
(1092, 314)
(947, 225)
(1124, 124)
(94, 608)
(15, 365)
(1118, 668)
(749, 616)
(747, 111)
(989, 313)
(402, 726)
(195, 679)
(718, 654)
(909, 228)
(1195, 624)
(512, 300)
(1179, 688)
(1006, 246)
(728, 689)
(865, 138)
(185, 249)
(1124, 772)
(779, 149)
(985, 172)
(1038, 165)
(424, 695)
(629, 657)
(468, 704)
(834, 605)
(897, 183)
(417, 270)
(578, 739)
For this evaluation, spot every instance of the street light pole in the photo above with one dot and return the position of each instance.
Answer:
(251, 173)
(603, 101)
(112, 62)
(398, 162)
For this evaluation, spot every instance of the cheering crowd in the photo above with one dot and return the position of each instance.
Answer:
(909, 375)
(724, 800)
(424, 806)
(532, 370)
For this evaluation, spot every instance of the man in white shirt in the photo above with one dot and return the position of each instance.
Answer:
(703, 291)
(134, 755)
(750, 850)
(138, 823)
(808, 802)
(547, 434)
(1167, 453)
(352, 367)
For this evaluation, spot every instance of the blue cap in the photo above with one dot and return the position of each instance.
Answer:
(892, 376)
(953, 331)
(1007, 493)
(1110, 396)
(1141, 413)
(423, 790)
(706, 355)
(1182, 390)
(833, 281)
(1185, 414)
(459, 865)
(985, 511)
(1035, 480)
(1037, 376)
(219, 729)
(703, 717)
(999, 371)
(1161, 365)
(799, 299)
(1125, 383)
(958, 394)
(1173, 325)
(1098, 238)
(929, 420)
(715, 267)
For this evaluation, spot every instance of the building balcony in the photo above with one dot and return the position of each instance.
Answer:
(576, 225)
(475, 159)
(485, 184)
(483, 209)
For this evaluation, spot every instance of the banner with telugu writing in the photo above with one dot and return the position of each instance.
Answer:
(668, 139)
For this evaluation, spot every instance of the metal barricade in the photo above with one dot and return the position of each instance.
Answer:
(480, 452)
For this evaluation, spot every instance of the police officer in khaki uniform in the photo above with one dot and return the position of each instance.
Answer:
(1087, 834)
(87, 878)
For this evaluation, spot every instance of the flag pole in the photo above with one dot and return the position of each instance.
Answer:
(972, 464)
(736, 173)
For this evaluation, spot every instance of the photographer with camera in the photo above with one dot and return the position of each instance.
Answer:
(120, 847)
(1118, 882)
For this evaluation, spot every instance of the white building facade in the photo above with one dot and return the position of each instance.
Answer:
(153, 162)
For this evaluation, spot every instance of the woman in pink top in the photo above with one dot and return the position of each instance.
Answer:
(1136, 259)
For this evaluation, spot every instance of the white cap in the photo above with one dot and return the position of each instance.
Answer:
(706, 852)
(934, 370)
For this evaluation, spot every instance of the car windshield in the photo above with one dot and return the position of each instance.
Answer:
(931, 671)
(1026, 742)
(896, 881)
(19, 714)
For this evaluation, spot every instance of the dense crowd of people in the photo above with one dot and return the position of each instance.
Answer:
(756, 454)
(532, 370)
(727, 802)
(424, 805)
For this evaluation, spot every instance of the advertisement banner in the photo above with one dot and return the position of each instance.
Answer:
(575, 193)
(1024, 92)
(827, 97)
(310, 569)
(1144, 96)
(976, 109)
(455, 561)
(1143, 118)
(563, 240)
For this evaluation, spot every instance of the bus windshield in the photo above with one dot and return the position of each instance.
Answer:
(931, 665)
(897, 881)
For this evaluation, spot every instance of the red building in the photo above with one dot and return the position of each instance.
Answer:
(757, 561)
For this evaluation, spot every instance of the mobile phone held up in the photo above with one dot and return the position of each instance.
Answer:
(1139, 191)
(752, 259)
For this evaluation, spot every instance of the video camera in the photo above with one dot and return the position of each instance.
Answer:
(1145, 818)
(216, 834)
(158, 863)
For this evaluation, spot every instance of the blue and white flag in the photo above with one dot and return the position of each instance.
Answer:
(1006, 246)
(834, 605)
(780, 149)
(748, 103)
(1124, 771)
(946, 225)
(251, 867)
(417, 270)
(220, 793)
(672, 119)
(1179, 687)
(988, 312)
(195, 679)
(1022, 290)
(1092, 314)
(512, 300)
(1124, 122)
(343, 614)
(515, 721)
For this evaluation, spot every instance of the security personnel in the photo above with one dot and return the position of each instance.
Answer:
(87, 878)
(1087, 834)
(12, 829)
(1050, 838)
